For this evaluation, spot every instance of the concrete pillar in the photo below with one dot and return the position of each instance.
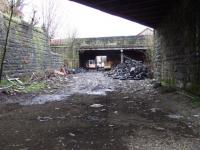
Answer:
(122, 56)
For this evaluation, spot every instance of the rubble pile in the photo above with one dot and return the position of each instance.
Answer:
(130, 69)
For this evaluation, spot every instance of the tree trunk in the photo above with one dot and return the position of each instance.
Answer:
(6, 42)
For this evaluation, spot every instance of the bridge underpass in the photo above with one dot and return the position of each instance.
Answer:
(113, 55)
(176, 36)
(92, 111)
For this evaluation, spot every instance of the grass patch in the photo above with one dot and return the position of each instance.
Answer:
(196, 101)
(22, 88)
(4, 83)
(35, 87)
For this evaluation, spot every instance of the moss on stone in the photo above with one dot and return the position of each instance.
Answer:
(39, 47)
(168, 82)
(196, 101)
(194, 89)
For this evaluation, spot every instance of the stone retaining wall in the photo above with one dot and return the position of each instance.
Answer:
(28, 49)
(177, 47)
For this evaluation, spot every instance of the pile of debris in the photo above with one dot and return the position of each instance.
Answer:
(130, 69)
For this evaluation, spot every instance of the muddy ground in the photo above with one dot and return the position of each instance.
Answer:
(127, 115)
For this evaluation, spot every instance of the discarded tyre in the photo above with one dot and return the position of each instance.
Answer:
(130, 69)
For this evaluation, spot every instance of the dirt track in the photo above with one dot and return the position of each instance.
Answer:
(133, 116)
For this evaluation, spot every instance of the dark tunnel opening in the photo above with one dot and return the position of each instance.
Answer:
(113, 56)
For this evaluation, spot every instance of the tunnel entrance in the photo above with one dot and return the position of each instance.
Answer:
(113, 57)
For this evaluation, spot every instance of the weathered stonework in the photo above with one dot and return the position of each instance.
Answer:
(70, 52)
(177, 47)
(28, 49)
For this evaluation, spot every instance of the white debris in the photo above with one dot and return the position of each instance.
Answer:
(115, 112)
(96, 105)
(42, 119)
(160, 128)
(196, 116)
(154, 110)
(125, 97)
(175, 116)
(103, 110)
(72, 134)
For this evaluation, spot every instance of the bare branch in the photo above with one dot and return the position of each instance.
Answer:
(49, 17)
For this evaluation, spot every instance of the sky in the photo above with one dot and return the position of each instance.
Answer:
(86, 21)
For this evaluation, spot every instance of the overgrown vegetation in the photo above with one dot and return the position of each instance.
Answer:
(196, 101)
(35, 87)
(16, 86)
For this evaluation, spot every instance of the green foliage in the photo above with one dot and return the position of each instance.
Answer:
(14, 18)
(168, 82)
(24, 88)
(4, 83)
(38, 29)
(35, 87)
(196, 101)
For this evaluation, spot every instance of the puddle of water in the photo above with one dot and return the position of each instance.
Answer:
(44, 98)
(88, 83)
(99, 92)
(96, 93)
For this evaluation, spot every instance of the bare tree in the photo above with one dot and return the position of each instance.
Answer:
(49, 17)
(4, 6)
(12, 4)
(71, 44)
(72, 39)
(17, 9)
(34, 20)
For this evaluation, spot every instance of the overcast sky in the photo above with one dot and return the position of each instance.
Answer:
(87, 21)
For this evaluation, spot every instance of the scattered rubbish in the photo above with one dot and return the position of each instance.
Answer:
(72, 134)
(125, 97)
(100, 92)
(27, 140)
(115, 112)
(196, 116)
(137, 147)
(13, 86)
(112, 140)
(175, 116)
(43, 119)
(130, 69)
(154, 110)
(103, 110)
(96, 105)
(159, 128)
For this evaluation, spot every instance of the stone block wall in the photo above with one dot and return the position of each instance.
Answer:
(177, 47)
(69, 55)
(28, 49)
